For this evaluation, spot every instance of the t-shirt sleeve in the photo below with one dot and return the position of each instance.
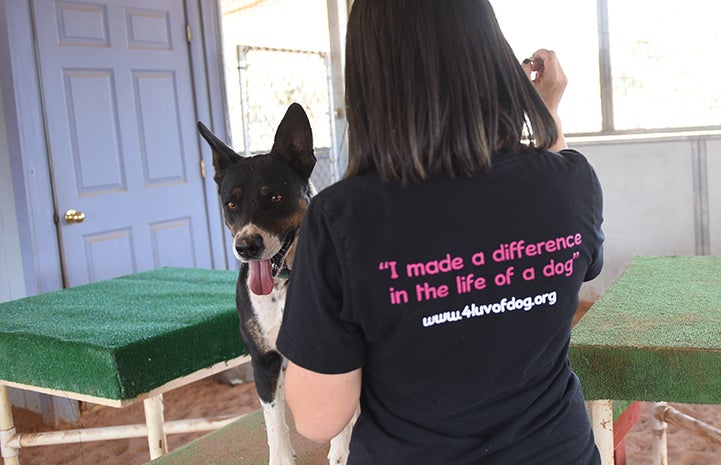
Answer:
(595, 208)
(316, 332)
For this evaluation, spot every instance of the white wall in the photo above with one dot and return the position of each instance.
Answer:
(11, 267)
(661, 197)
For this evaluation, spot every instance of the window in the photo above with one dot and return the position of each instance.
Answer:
(658, 65)
(665, 63)
(644, 66)
(529, 26)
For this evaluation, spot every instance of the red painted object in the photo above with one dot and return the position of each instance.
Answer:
(621, 427)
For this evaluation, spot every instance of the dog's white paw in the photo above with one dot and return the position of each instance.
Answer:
(285, 457)
(340, 446)
(337, 457)
(281, 453)
(280, 449)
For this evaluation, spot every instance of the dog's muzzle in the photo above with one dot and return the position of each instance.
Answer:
(248, 247)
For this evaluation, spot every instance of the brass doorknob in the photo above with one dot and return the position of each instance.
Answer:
(74, 216)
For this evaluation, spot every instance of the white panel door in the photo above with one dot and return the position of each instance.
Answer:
(119, 108)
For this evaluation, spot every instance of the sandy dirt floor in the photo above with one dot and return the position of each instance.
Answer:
(211, 398)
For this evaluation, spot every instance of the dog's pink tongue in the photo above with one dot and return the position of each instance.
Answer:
(261, 277)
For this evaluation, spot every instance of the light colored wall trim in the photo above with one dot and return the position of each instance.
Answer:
(701, 199)
(337, 20)
(713, 166)
(210, 101)
(12, 285)
(604, 66)
(26, 145)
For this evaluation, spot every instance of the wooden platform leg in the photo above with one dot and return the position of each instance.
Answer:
(7, 428)
(157, 441)
(660, 440)
(602, 423)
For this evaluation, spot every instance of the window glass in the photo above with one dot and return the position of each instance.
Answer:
(570, 29)
(665, 63)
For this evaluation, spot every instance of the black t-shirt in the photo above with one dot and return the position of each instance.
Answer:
(456, 299)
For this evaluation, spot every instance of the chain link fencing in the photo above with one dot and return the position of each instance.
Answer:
(270, 79)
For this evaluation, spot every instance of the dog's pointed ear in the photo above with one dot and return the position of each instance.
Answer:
(223, 156)
(294, 141)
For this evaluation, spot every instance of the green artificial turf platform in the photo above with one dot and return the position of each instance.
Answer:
(123, 337)
(655, 335)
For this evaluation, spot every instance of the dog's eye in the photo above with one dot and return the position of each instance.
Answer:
(277, 198)
(232, 206)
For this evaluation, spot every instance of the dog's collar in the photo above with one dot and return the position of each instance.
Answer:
(281, 271)
(283, 274)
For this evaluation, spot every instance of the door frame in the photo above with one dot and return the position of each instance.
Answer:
(27, 142)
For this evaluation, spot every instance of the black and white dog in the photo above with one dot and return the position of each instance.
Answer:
(264, 200)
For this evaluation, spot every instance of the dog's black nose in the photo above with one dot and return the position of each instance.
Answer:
(249, 247)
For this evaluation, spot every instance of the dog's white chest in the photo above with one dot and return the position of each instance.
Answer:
(269, 311)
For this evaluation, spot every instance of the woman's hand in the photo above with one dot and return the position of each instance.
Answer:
(550, 81)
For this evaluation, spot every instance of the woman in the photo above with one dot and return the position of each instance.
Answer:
(436, 283)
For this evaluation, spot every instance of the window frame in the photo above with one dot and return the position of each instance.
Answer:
(606, 90)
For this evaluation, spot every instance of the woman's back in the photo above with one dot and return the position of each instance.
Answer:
(457, 300)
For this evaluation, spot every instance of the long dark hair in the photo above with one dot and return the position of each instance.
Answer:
(434, 90)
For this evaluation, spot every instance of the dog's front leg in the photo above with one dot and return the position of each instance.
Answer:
(281, 450)
(269, 376)
(339, 445)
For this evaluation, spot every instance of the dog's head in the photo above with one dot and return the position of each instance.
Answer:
(264, 197)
